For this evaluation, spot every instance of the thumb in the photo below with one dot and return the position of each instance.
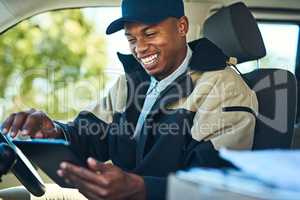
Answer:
(98, 166)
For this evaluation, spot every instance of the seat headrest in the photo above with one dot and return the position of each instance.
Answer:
(234, 30)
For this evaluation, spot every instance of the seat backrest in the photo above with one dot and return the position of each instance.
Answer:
(276, 91)
(234, 30)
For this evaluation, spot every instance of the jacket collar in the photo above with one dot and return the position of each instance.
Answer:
(206, 57)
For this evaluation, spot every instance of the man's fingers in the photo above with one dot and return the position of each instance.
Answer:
(39, 135)
(32, 124)
(7, 123)
(39, 125)
(98, 166)
(48, 128)
(15, 120)
(18, 122)
(85, 187)
(85, 174)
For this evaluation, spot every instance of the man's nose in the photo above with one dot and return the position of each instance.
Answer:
(141, 47)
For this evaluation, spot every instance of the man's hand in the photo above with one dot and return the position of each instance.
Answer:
(103, 181)
(32, 123)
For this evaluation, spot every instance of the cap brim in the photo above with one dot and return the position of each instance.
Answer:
(119, 23)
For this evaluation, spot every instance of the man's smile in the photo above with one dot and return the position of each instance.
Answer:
(149, 61)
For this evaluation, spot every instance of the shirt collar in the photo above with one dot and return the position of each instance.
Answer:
(162, 84)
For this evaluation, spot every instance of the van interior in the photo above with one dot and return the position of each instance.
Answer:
(265, 57)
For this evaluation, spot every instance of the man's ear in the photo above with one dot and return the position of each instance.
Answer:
(183, 25)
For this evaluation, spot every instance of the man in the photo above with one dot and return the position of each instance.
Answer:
(169, 112)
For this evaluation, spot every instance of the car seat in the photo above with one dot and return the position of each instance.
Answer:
(234, 30)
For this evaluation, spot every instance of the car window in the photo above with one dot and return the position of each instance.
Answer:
(59, 61)
(281, 41)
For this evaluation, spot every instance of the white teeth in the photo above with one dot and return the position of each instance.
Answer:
(149, 60)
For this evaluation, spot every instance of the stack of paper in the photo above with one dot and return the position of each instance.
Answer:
(280, 168)
(271, 174)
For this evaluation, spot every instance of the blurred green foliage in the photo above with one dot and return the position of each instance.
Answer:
(52, 62)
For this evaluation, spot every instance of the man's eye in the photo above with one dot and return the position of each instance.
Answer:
(131, 41)
(150, 34)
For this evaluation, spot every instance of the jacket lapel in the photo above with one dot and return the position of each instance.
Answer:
(181, 87)
(138, 82)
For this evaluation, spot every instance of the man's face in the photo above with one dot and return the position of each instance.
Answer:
(160, 48)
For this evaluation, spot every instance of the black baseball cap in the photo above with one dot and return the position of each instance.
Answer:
(146, 11)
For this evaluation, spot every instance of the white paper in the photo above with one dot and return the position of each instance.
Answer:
(278, 167)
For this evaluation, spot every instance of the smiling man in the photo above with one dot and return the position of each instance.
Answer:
(168, 112)
(160, 48)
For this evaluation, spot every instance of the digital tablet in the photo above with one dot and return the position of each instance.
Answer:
(24, 170)
(47, 154)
